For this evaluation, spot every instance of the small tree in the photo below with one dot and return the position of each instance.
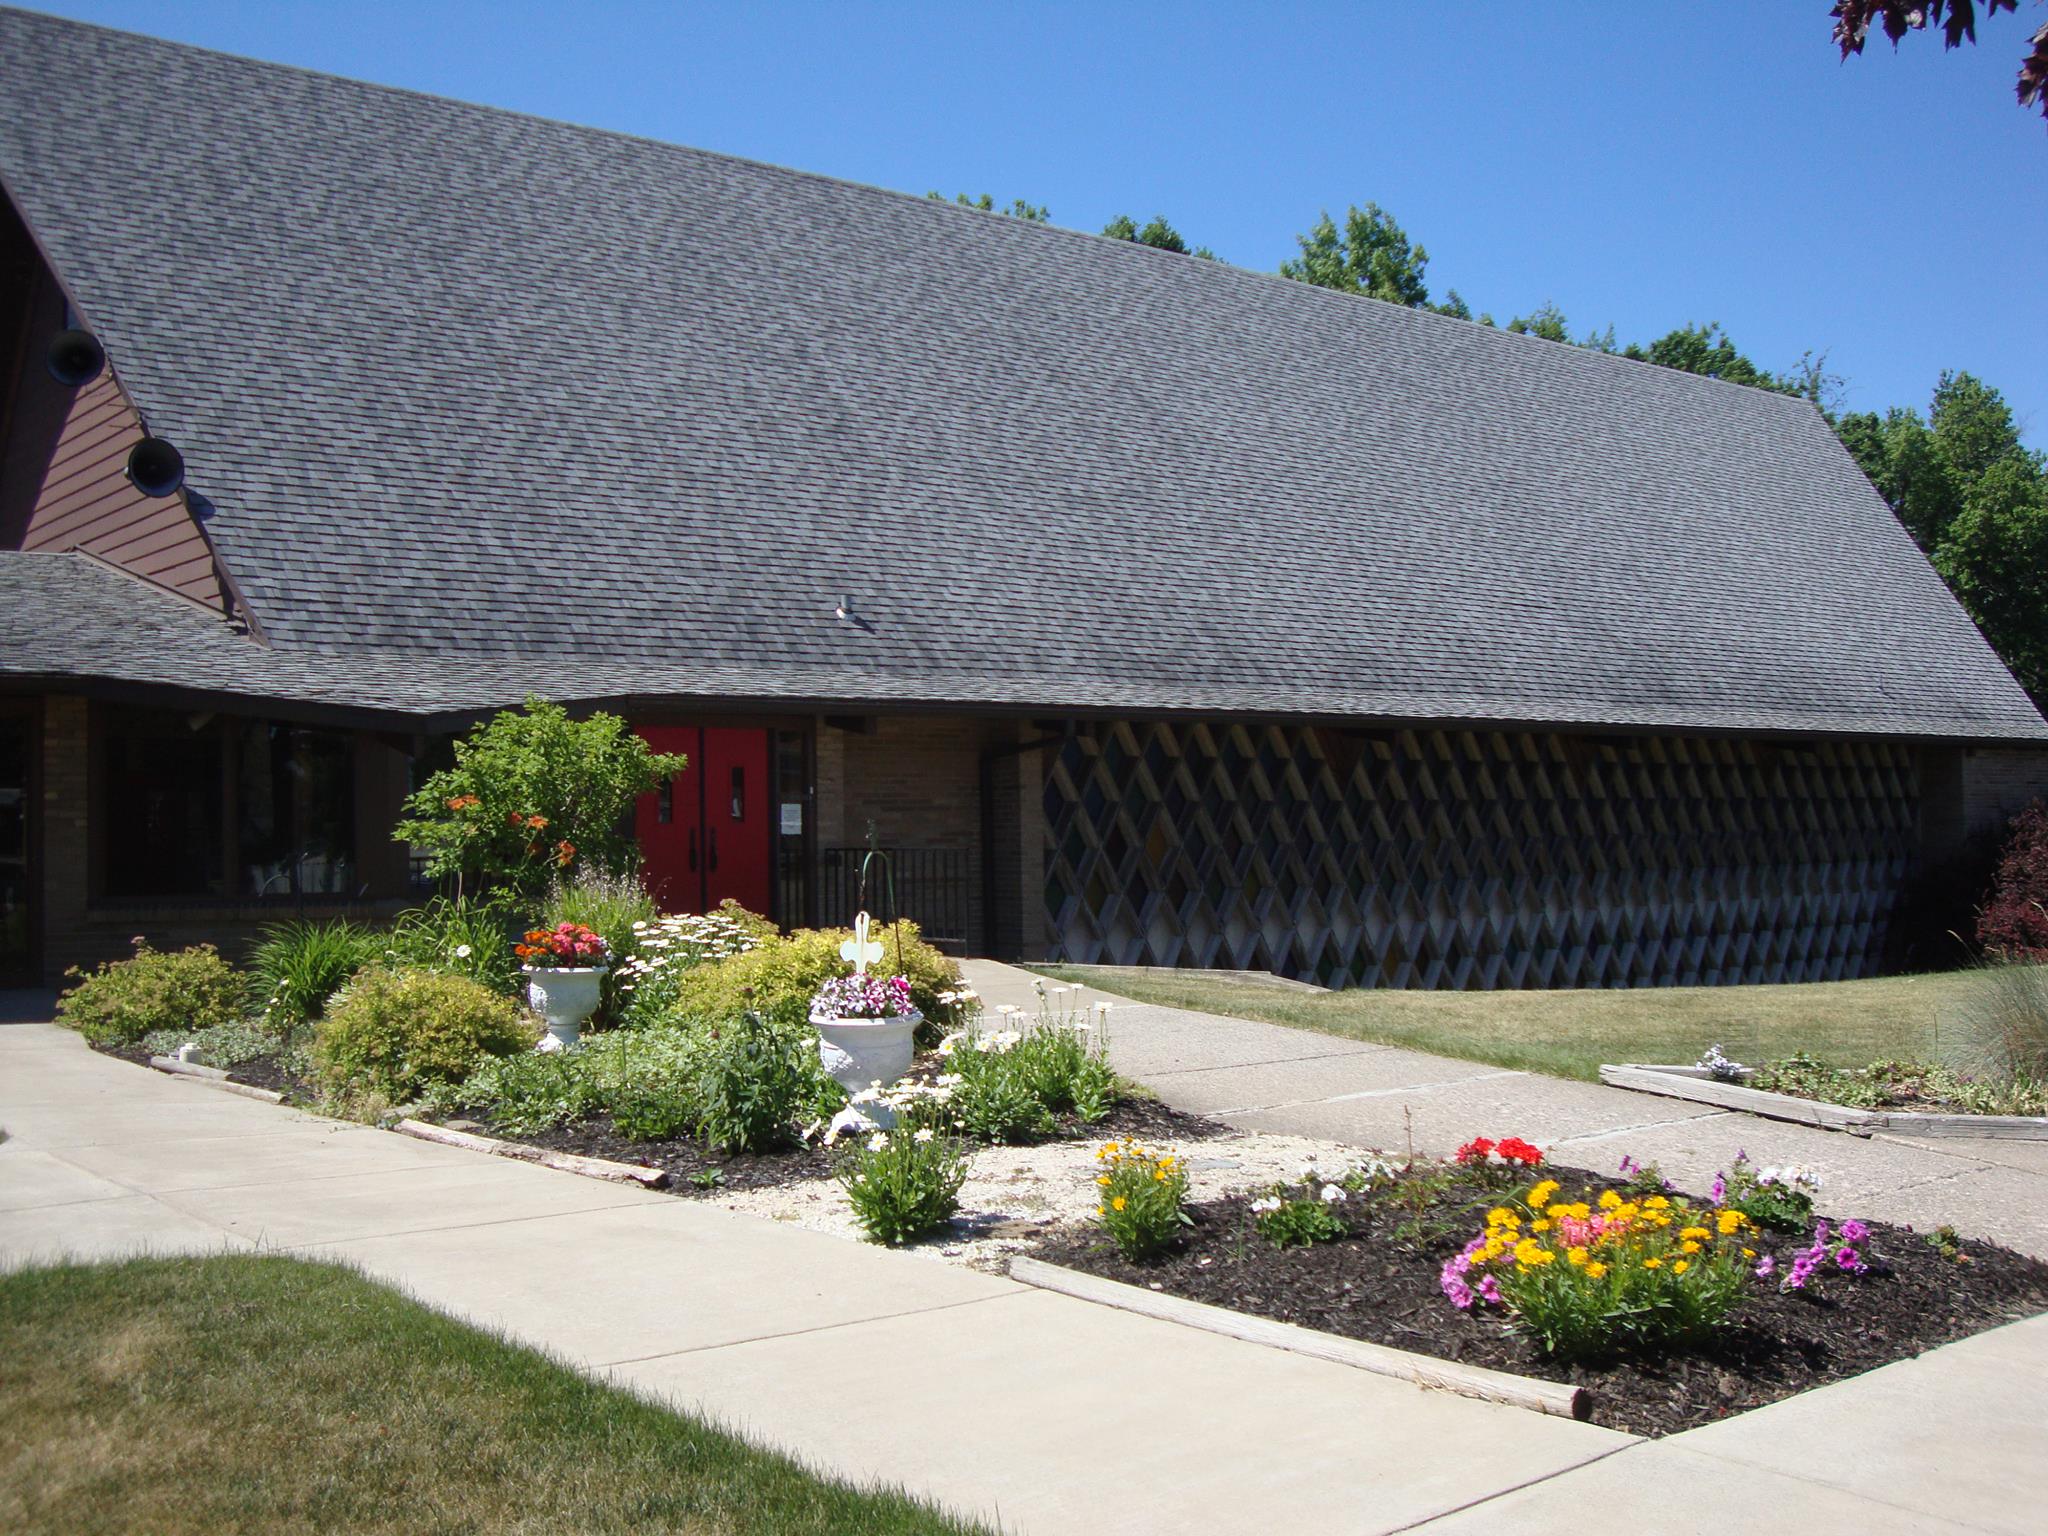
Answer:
(533, 795)
(2014, 921)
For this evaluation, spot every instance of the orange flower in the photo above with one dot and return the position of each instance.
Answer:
(514, 819)
(536, 822)
(462, 802)
(564, 852)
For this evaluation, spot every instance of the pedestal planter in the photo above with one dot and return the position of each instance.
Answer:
(860, 1052)
(565, 996)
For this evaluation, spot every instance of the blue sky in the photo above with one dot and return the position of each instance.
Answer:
(1639, 164)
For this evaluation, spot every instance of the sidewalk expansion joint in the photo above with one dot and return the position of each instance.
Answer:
(798, 1333)
(1370, 1093)
(1644, 1125)
(1253, 1066)
(1533, 1482)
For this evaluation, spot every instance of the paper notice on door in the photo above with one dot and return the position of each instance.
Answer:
(792, 818)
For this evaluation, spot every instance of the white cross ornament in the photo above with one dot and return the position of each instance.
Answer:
(860, 950)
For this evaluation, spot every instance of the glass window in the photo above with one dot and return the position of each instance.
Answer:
(160, 798)
(16, 878)
(173, 784)
(295, 814)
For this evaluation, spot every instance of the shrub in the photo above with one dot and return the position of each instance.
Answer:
(643, 1080)
(1142, 1194)
(123, 1000)
(460, 936)
(1588, 1280)
(1009, 1085)
(904, 1185)
(779, 976)
(532, 794)
(665, 948)
(1302, 1214)
(299, 965)
(2014, 919)
(761, 1081)
(219, 1045)
(392, 1033)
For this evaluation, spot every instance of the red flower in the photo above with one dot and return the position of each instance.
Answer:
(1475, 1150)
(1515, 1150)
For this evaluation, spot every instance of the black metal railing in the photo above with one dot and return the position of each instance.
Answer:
(930, 887)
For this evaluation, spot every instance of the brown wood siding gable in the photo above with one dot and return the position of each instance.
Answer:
(86, 501)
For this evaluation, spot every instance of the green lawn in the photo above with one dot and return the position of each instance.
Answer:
(1846, 1023)
(263, 1393)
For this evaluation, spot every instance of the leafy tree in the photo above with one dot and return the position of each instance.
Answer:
(1158, 234)
(1547, 322)
(1976, 500)
(533, 794)
(1371, 255)
(1957, 20)
(1031, 213)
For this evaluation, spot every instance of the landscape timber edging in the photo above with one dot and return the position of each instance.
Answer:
(1556, 1398)
(565, 1162)
(1701, 1087)
(213, 1077)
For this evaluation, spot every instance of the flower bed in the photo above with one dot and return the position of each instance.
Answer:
(1673, 1311)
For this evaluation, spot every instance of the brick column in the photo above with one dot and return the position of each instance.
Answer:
(67, 775)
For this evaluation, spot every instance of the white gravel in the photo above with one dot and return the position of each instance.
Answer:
(1015, 1193)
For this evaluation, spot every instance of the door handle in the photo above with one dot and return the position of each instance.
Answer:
(711, 848)
(693, 850)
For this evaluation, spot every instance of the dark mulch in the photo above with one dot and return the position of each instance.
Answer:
(688, 1160)
(1376, 1287)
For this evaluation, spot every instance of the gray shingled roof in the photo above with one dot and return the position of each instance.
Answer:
(530, 401)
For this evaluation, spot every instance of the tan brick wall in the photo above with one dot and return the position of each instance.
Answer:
(917, 779)
(2000, 782)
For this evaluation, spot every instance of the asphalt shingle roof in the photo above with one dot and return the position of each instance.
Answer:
(477, 396)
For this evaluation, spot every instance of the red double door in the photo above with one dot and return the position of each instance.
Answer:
(706, 834)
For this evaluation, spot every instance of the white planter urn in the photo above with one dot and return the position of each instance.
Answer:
(565, 996)
(860, 1052)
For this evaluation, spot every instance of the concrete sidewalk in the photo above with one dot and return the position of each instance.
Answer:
(1041, 1413)
(1268, 1077)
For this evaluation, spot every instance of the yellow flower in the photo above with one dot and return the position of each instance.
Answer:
(1680, 1266)
(1118, 1203)
(1539, 1226)
(1688, 1246)
(1749, 1253)
(1595, 1270)
(1653, 1263)
(1501, 1216)
(1730, 1221)
(1102, 1178)
(1540, 1195)
(1527, 1250)
(1577, 1256)
(1609, 1200)
(1656, 1203)
(1159, 1174)
(1697, 1234)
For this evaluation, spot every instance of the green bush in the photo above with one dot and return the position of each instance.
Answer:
(780, 976)
(1012, 1084)
(905, 1184)
(1301, 1215)
(123, 1000)
(533, 794)
(667, 948)
(299, 965)
(393, 1033)
(1142, 1196)
(761, 1082)
(461, 936)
